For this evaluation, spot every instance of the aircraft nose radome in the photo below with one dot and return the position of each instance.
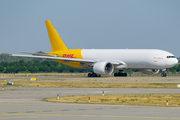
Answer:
(175, 61)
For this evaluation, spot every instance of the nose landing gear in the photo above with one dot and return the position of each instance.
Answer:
(163, 74)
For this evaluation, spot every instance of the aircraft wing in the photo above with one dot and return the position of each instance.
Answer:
(56, 58)
(45, 56)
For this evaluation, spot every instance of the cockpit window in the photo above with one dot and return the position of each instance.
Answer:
(170, 56)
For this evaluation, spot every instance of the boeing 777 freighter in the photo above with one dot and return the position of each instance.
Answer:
(105, 61)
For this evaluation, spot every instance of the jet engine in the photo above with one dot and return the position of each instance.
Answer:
(150, 71)
(103, 68)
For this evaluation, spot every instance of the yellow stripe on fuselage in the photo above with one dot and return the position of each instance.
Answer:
(70, 53)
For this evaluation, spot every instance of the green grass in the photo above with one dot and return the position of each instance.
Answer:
(128, 99)
(163, 83)
(90, 85)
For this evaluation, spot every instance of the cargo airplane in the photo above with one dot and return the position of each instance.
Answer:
(105, 61)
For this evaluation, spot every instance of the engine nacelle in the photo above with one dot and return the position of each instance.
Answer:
(103, 68)
(150, 71)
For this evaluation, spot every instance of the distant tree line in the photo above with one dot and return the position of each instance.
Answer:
(175, 69)
(37, 67)
(11, 64)
(5, 57)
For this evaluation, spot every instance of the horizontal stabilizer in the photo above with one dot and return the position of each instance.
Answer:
(38, 54)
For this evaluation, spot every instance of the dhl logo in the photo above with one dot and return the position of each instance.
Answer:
(68, 56)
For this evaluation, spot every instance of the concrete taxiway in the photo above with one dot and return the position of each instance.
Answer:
(99, 79)
(26, 103)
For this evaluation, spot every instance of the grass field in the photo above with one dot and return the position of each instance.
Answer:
(132, 99)
(90, 85)
(40, 74)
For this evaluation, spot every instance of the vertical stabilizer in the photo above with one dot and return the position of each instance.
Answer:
(56, 42)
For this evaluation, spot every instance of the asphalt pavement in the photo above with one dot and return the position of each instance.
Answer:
(26, 103)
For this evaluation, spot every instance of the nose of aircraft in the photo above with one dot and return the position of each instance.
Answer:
(172, 62)
(175, 61)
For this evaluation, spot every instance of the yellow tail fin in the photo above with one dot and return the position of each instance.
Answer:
(56, 42)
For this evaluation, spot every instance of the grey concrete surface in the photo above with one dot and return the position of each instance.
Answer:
(26, 103)
(107, 79)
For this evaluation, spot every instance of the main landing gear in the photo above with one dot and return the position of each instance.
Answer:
(93, 75)
(120, 74)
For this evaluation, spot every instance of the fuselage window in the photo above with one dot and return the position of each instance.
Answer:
(170, 57)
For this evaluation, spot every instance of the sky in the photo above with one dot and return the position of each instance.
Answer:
(90, 24)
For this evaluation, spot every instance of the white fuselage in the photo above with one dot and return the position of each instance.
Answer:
(132, 58)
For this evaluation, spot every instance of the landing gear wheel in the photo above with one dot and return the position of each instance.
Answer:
(89, 74)
(163, 74)
(93, 75)
(98, 75)
(125, 74)
(115, 74)
(120, 74)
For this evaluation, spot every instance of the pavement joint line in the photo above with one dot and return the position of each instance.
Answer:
(98, 108)
(20, 112)
(74, 115)
(73, 110)
(81, 109)
(56, 110)
(91, 109)
(38, 111)
(47, 111)
(62, 110)
(123, 107)
(29, 112)
(12, 112)
(115, 108)
(26, 112)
